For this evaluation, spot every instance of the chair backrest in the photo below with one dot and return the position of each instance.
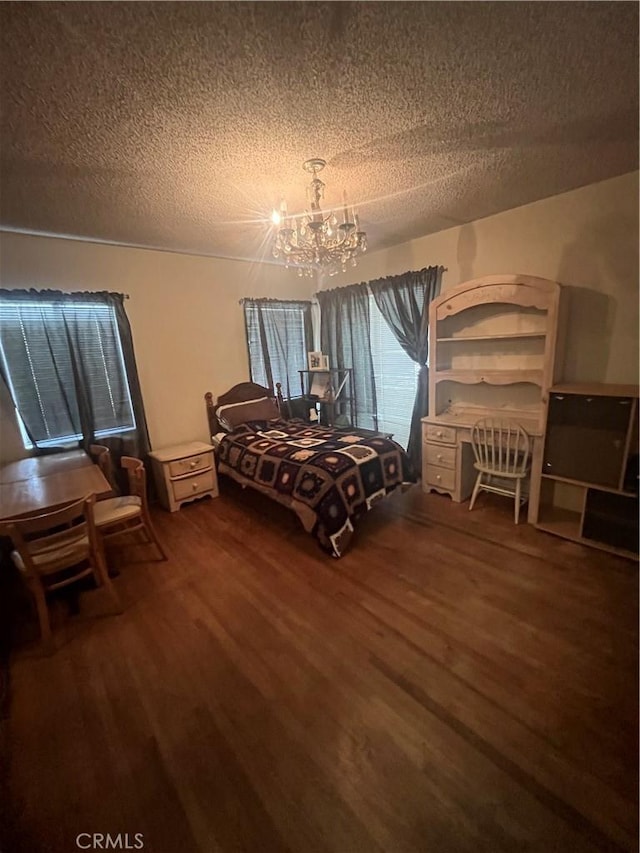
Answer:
(501, 446)
(101, 455)
(59, 539)
(137, 477)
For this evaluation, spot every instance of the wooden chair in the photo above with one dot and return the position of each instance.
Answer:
(116, 517)
(502, 454)
(101, 455)
(49, 543)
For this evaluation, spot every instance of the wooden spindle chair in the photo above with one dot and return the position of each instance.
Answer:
(502, 460)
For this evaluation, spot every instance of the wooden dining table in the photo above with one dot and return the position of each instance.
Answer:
(41, 484)
(41, 466)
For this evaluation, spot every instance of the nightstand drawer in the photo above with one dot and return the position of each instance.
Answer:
(436, 454)
(443, 477)
(446, 435)
(190, 486)
(190, 465)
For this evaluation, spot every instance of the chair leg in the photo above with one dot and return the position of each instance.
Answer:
(151, 533)
(476, 489)
(517, 499)
(43, 615)
(101, 573)
(97, 573)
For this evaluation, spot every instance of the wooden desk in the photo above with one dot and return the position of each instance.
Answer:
(42, 466)
(22, 497)
(447, 459)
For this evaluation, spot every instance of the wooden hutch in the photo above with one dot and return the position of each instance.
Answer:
(492, 353)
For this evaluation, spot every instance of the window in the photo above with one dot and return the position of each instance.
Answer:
(278, 338)
(395, 376)
(58, 357)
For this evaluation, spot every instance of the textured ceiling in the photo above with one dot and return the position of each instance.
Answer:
(180, 125)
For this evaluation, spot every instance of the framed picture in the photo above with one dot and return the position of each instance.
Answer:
(317, 361)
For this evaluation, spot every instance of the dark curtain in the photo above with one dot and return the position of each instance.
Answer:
(345, 338)
(139, 443)
(279, 335)
(74, 390)
(403, 301)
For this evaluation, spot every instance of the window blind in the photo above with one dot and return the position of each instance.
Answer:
(49, 350)
(278, 339)
(396, 378)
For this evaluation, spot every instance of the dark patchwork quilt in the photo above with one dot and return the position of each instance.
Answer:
(327, 476)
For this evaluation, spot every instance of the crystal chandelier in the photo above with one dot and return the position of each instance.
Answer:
(315, 241)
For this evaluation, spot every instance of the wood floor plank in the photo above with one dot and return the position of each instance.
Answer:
(453, 683)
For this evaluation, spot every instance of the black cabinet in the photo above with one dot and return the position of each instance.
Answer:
(589, 484)
(586, 437)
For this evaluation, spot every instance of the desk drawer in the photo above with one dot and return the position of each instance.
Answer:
(191, 486)
(436, 454)
(445, 478)
(190, 465)
(442, 434)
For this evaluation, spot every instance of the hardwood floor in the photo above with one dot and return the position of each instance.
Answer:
(453, 683)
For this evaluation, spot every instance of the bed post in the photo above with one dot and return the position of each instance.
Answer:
(280, 399)
(214, 427)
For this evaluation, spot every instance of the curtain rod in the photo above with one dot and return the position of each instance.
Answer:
(268, 299)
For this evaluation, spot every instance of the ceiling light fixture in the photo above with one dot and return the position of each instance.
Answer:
(313, 241)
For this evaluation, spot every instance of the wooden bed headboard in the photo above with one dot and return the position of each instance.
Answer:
(240, 393)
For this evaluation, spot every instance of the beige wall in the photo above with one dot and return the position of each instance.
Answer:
(188, 328)
(586, 239)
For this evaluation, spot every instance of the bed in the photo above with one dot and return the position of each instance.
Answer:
(327, 476)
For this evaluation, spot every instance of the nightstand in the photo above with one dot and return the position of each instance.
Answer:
(183, 473)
